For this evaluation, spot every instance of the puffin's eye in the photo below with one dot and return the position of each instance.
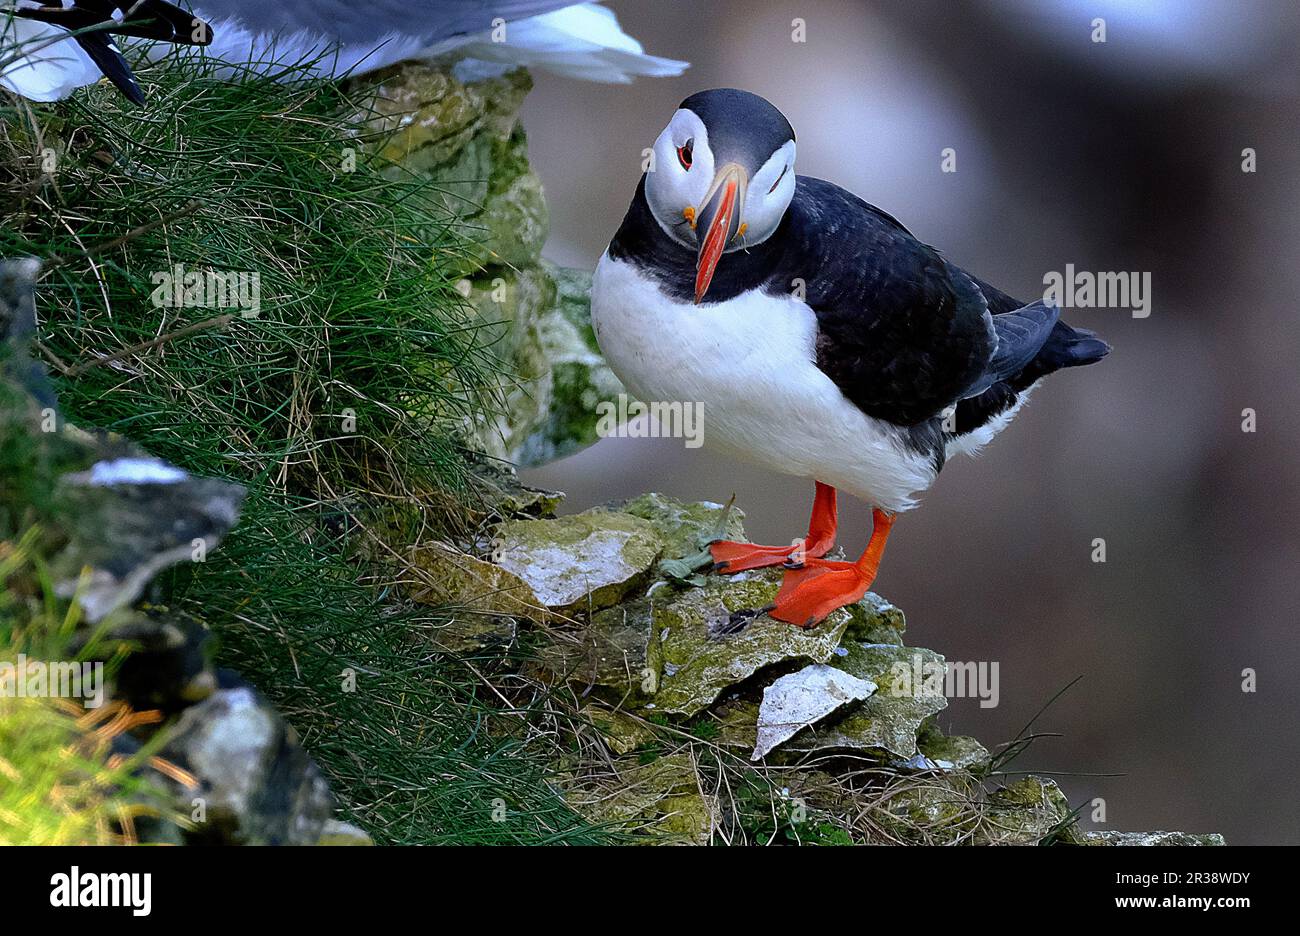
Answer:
(684, 154)
(778, 180)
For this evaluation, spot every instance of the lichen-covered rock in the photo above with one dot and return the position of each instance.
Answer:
(887, 724)
(661, 797)
(1029, 811)
(579, 378)
(950, 752)
(486, 597)
(255, 783)
(579, 563)
(498, 494)
(875, 620)
(616, 654)
(685, 526)
(622, 731)
(711, 638)
(939, 809)
(467, 139)
(1154, 838)
(797, 700)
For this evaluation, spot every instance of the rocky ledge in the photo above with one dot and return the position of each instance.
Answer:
(673, 668)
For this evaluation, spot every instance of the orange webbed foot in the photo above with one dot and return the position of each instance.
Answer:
(810, 593)
(731, 557)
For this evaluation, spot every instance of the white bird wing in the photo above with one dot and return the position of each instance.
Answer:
(40, 62)
(354, 36)
(337, 37)
(582, 41)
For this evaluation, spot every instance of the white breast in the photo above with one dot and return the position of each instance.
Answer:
(749, 362)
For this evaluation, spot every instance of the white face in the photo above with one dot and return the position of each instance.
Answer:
(672, 188)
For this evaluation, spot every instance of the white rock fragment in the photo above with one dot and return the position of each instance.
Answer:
(793, 702)
(133, 471)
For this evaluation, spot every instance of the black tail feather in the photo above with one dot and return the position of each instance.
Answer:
(104, 53)
(1065, 347)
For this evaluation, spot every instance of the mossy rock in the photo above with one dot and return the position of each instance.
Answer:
(887, 724)
(951, 752)
(685, 526)
(622, 732)
(660, 798)
(1030, 811)
(712, 638)
(580, 563)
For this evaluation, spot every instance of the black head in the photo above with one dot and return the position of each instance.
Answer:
(722, 175)
(743, 127)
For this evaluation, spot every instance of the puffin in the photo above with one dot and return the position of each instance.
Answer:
(327, 38)
(817, 335)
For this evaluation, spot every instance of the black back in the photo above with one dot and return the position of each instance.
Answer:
(900, 331)
(743, 127)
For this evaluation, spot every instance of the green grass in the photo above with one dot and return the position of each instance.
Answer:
(60, 781)
(340, 406)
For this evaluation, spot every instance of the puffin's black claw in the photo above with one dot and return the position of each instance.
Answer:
(736, 622)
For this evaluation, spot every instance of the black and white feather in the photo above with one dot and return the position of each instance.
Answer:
(831, 343)
(330, 37)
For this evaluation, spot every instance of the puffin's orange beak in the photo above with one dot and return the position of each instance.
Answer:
(717, 222)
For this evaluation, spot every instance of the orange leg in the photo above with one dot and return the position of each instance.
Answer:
(809, 594)
(730, 557)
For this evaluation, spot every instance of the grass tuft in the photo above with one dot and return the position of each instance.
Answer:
(339, 404)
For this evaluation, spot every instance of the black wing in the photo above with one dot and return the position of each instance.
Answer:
(901, 332)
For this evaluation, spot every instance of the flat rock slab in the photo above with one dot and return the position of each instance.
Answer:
(887, 723)
(1154, 838)
(685, 527)
(488, 597)
(707, 646)
(583, 562)
(797, 700)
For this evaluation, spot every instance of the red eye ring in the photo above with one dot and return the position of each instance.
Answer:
(684, 155)
(778, 180)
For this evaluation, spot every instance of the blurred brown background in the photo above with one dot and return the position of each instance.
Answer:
(1121, 156)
